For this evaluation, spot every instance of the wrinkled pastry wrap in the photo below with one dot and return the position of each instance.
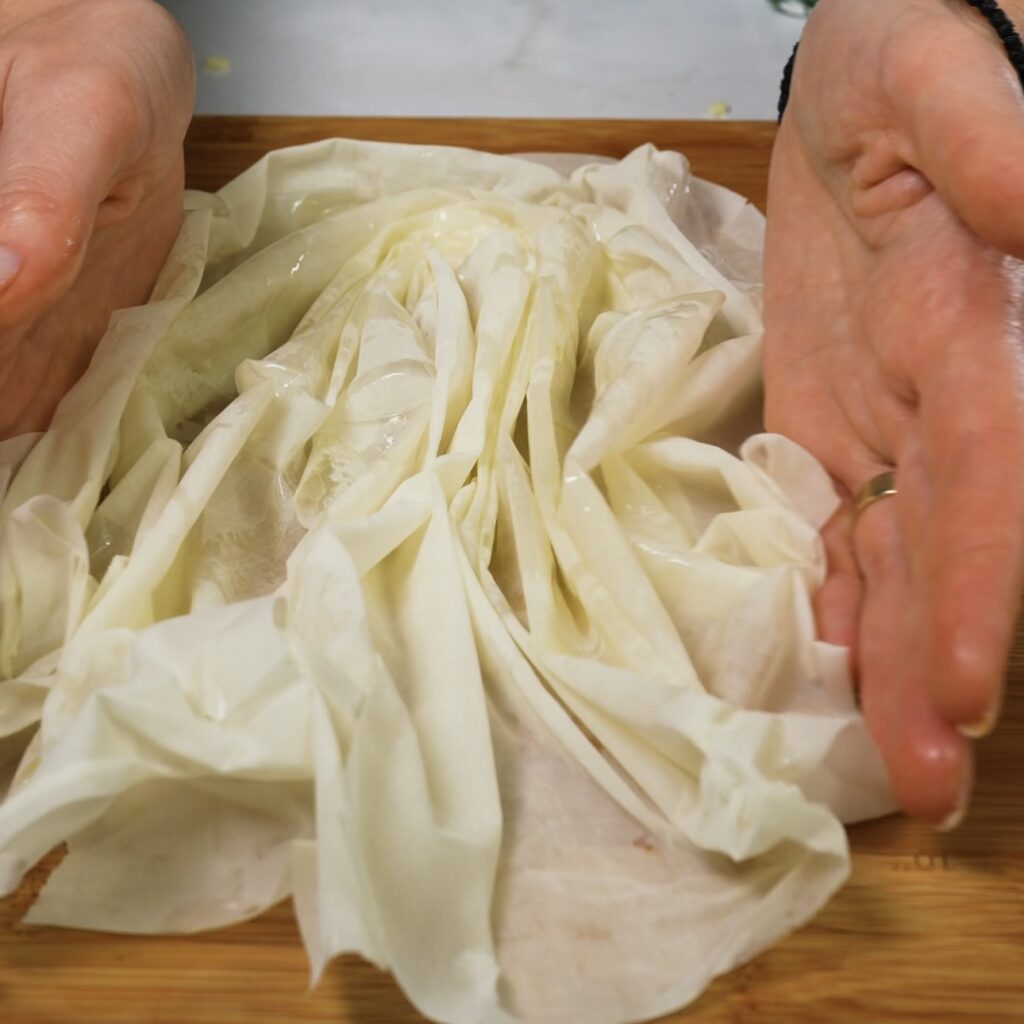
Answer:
(414, 554)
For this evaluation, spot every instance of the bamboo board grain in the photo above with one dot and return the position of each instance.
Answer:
(929, 928)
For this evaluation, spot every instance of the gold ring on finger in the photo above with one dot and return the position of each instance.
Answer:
(881, 486)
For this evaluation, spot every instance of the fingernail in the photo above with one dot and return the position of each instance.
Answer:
(10, 264)
(956, 816)
(954, 819)
(984, 725)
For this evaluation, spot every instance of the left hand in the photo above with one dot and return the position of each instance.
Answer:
(95, 97)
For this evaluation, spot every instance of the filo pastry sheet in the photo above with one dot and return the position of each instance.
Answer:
(414, 554)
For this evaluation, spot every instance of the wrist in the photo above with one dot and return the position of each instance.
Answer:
(1015, 12)
(1001, 28)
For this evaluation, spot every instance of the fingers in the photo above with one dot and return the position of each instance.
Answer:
(973, 559)
(928, 761)
(931, 765)
(837, 602)
(872, 602)
(972, 547)
(66, 139)
(968, 141)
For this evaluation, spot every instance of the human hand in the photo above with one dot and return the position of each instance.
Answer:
(893, 339)
(95, 97)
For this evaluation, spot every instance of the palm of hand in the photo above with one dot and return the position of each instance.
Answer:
(893, 341)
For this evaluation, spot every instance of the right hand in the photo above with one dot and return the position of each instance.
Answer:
(894, 339)
(95, 98)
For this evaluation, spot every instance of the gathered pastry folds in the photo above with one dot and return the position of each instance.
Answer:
(413, 554)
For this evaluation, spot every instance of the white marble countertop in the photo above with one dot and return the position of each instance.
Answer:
(499, 58)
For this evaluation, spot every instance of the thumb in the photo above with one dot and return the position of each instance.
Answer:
(62, 147)
(961, 101)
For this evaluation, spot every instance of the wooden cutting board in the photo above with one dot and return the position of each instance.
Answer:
(930, 927)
